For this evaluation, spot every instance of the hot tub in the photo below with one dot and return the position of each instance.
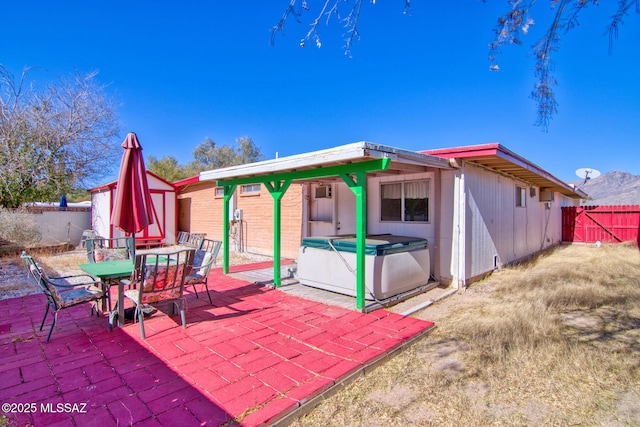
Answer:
(394, 264)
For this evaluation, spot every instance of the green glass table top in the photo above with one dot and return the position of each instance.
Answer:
(109, 269)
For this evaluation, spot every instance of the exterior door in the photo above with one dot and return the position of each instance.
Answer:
(345, 210)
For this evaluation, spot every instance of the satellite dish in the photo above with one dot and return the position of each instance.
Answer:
(586, 174)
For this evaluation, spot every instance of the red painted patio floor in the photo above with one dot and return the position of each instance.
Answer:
(253, 357)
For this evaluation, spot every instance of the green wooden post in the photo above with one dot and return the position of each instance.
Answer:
(228, 192)
(277, 190)
(359, 188)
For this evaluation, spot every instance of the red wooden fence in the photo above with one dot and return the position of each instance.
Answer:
(607, 224)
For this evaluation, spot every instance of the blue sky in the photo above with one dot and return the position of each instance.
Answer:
(183, 71)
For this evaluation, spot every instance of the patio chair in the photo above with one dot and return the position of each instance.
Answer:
(190, 239)
(110, 249)
(182, 237)
(203, 260)
(63, 291)
(195, 239)
(159, 278)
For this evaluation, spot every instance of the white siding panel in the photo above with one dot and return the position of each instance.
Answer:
(101, 212)
(447, 231)
(170, 222)
(488, 223)
(495, 226)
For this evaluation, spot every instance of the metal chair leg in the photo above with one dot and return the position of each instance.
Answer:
(183, 317)
(208, 294)
(45, 316)
(140, 319)
(55, 317)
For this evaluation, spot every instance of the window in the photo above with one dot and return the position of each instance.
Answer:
(521, 197)
(219, 191)
(251, 189)
(405, 201)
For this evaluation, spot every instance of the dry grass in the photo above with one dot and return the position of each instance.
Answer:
(554, 341)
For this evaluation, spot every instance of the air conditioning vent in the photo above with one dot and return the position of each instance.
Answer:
(323, 192)
(547, 196)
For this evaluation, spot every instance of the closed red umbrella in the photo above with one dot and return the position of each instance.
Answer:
(132, 209)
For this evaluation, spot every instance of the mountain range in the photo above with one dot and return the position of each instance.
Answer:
(612, 188)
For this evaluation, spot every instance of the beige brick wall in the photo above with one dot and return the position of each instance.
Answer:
(258, 221)
(200, 211)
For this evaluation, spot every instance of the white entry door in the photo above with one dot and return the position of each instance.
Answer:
(346, 210)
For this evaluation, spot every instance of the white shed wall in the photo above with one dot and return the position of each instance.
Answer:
(171, 207)
(164, 201)
(101, 212)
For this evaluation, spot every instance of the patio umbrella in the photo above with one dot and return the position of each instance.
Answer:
(132, 210)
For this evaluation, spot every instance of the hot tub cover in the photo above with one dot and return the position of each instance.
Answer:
(377, 244)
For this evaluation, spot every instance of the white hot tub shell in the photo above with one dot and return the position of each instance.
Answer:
(394, 264)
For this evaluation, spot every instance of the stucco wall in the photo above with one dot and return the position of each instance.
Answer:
(58, 227)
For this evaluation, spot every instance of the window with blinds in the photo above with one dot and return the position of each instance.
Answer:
(405, 201)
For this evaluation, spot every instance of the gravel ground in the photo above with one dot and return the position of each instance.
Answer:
(15, 283)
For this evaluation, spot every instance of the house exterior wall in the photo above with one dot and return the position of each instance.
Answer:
(474, 224)
(425, 230)
(449, 231)
(200, 211)
(257, 221)
(497, 231)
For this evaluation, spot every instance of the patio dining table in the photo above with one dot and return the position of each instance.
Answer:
(109, 271)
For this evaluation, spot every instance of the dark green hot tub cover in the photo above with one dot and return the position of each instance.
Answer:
(377, 244)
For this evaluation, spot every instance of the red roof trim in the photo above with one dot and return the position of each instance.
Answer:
(499, 151)
(111, 185)
(187, 181)
(107, 186)
(159, 178)
(466, 151)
